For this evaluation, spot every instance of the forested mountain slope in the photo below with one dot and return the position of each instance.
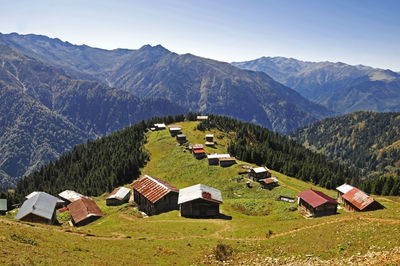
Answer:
(196, 83)
(44, 112)
(366, 141)
(340, 87)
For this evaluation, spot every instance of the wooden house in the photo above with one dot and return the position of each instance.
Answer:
(154, 196)
(159, 126)
(39, 208)
(268, 183)
(60, 203)
(259, 173)
(118, 196)
(197, 147)
(199, 154)
(209, 140)
(226, 162)
(357, 200)
(199, 201)
(175, 130)
(84, 211)
(181, 138)
(3, 206)
(315, 203)
(202, 117)
(213, 159)
(341, 190)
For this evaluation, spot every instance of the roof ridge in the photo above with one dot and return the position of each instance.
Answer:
(158, 182)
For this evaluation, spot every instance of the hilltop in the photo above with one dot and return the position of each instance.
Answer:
(256, 229)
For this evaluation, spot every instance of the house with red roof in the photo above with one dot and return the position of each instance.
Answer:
(315, 203)
(154, 195)
(357, 200)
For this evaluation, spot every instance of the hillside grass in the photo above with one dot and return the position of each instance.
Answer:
(255, 223)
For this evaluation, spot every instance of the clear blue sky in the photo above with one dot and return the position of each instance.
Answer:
(352, 31)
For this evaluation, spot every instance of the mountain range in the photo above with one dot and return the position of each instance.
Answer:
(44, 112)
(340, 87)
(198, 84)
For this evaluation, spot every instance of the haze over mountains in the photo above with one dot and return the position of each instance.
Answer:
(340, 87)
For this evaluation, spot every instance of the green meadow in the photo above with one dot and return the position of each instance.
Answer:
(255, 228)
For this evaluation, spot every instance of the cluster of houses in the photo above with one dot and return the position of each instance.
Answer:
(313, 203)
(154, 196)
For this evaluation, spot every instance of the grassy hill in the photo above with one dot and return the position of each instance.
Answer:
(257, 229)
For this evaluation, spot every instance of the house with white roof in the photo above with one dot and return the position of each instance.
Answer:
(199, 201)
(341, 190)
(119, 196)
(39, 208)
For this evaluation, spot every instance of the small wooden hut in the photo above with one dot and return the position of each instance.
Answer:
(226, 162)
(159, 126)
(259, 173)
(154, 196)
(268, 183)
(213, 159)
(175, 130)
(181, 138)
(315, 203)
(70, 196)
(199, 201)
(357, 200)
(341, 190)
(209, 140)
(202, 117)
(39, 208)
(199, 154)
(84, 211)
(118, 196)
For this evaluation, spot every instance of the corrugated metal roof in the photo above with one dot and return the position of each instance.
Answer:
(83, 208)
(199, 151)
(209, 135)
(119, 193)
(269, 180)
(344, 188)
(217, 156)
(181, 136)
(202, 117)
(41, 204)
(315, 198)
(160, 125)
(174, 129)
(71, 195)
(3, 204)
(260, 170)
(197, 146)
(358, 198)
(153, 188)
(31, 195)
(199, 191)
(227, 159)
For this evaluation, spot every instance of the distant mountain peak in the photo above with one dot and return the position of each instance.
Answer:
(157, 47)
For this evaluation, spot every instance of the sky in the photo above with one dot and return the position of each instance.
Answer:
(351, 31)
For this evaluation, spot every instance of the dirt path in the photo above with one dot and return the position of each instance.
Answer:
(225, 227)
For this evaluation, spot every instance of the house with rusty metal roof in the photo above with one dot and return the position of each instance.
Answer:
(154, 195)
(39, 208)
(84, 211)
(226, 162)
(119, 196)
(313, 203)
(199, 201)
(357, 200)
(268, 183)
(341, 190)
(175, 130)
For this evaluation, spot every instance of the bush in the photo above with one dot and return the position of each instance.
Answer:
(223, 251)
